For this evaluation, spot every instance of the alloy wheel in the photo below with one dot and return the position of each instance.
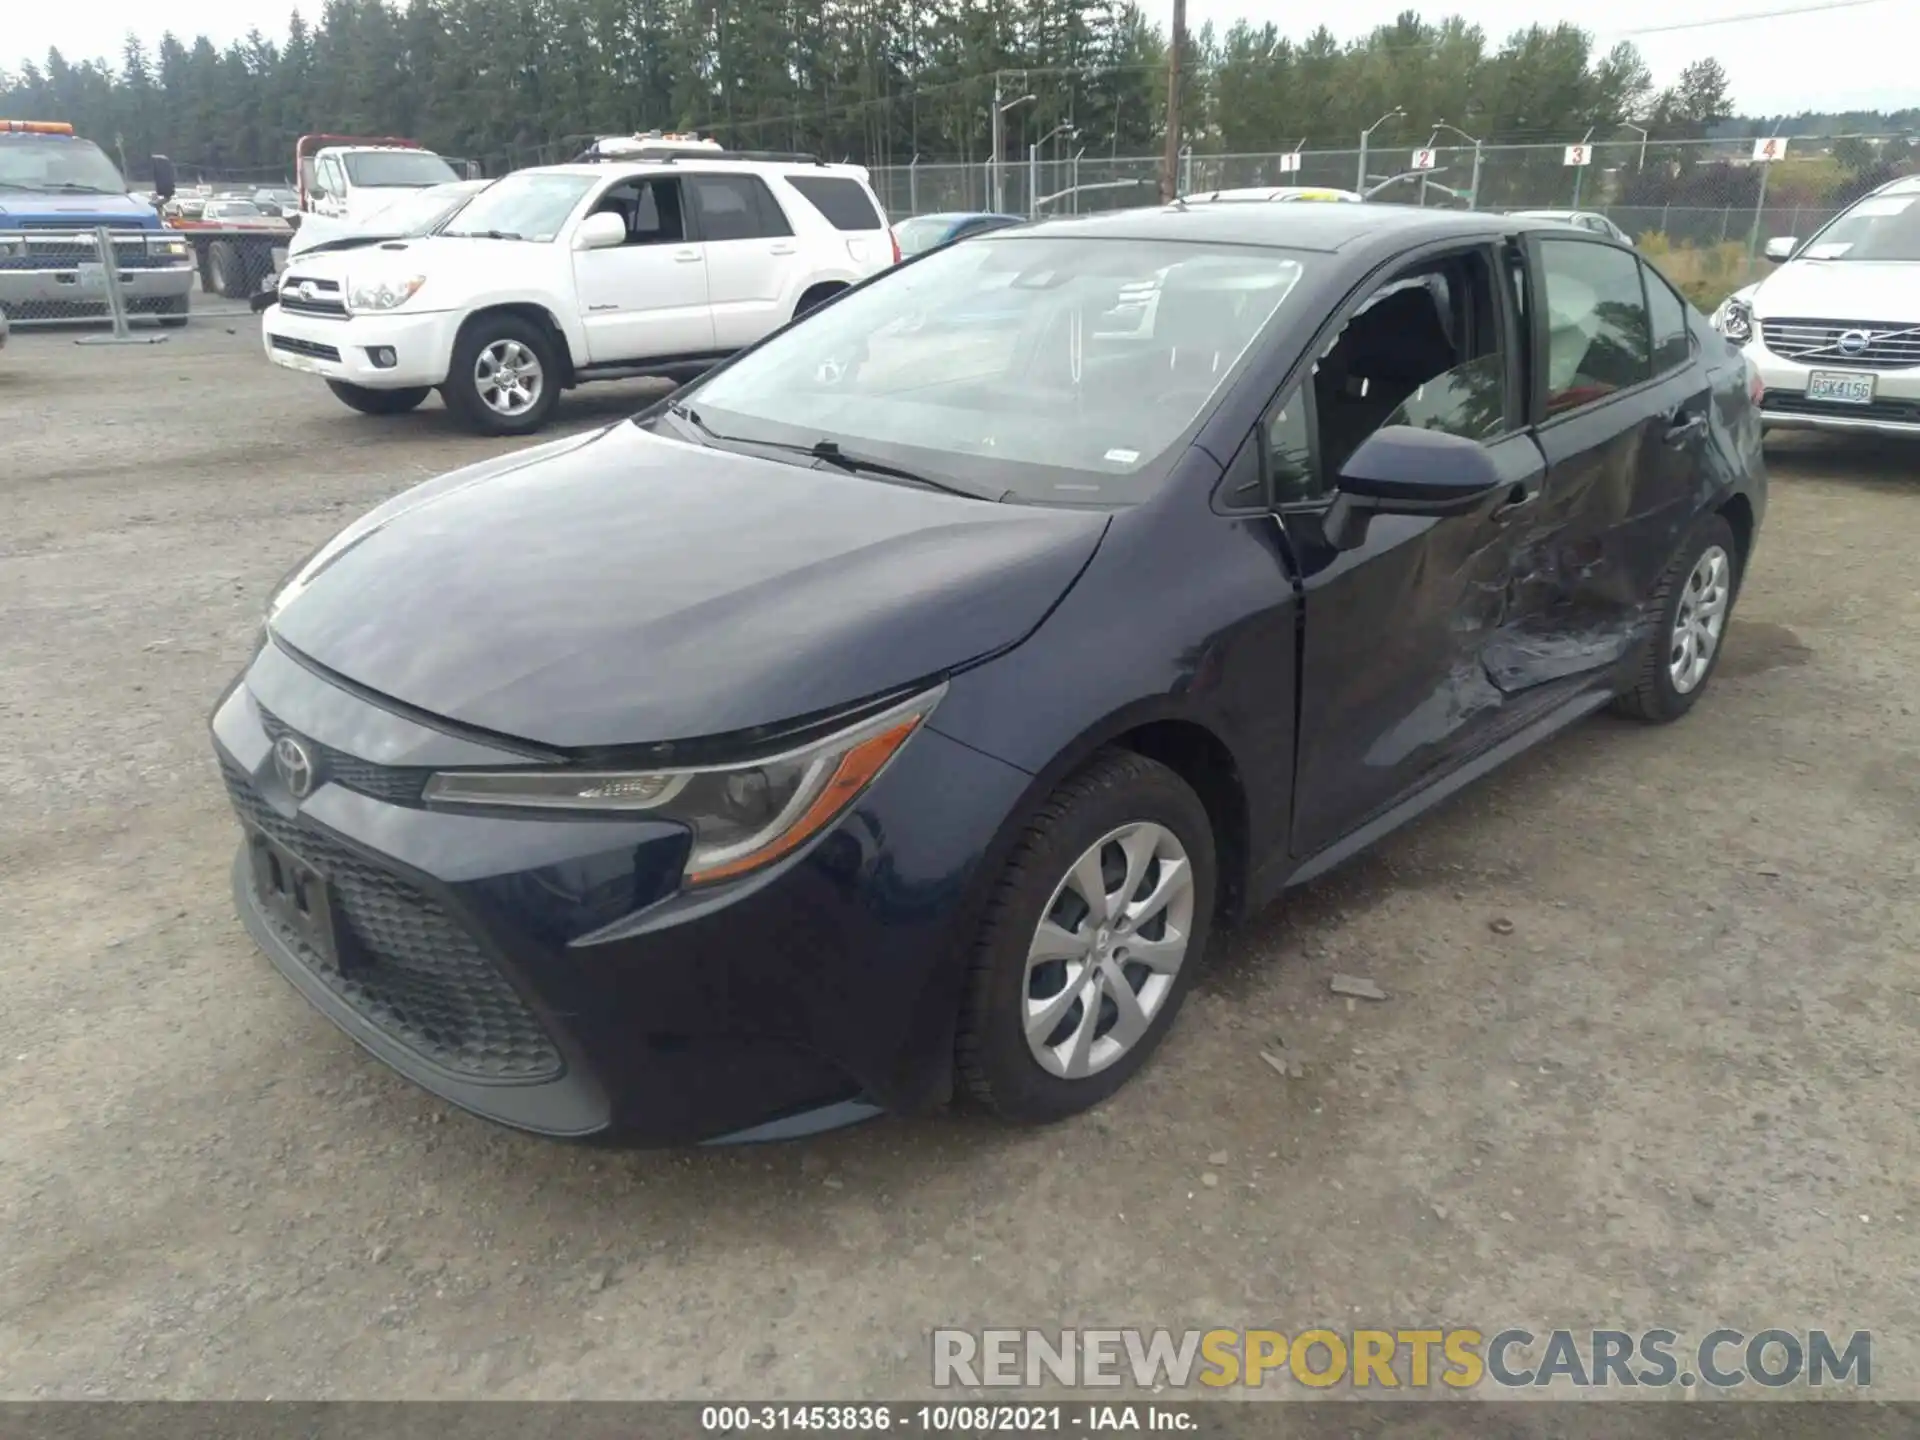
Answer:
(1108, 947)
(1699, 619)
(508, 376)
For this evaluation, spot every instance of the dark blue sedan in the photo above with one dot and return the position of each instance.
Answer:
(892, 715)
(929, 232)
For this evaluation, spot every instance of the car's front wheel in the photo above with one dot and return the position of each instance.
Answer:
(1693, 603)
(1090, 940)
(378, 402)
(504, 379)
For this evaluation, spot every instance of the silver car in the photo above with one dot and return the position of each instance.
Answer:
(1580, 220)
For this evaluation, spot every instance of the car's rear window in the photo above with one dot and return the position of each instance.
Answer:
(841, 200)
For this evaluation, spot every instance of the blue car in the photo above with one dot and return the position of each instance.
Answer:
(929, 232)
(891, 715)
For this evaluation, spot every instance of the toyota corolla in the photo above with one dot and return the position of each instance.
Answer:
(892, 715)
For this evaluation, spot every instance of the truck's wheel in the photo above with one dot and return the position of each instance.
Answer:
(226, 270)
(504, 378)
(378, 402)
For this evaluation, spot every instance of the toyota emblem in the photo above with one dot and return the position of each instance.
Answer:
(294, 766)
(1854, 342)
(308, 290)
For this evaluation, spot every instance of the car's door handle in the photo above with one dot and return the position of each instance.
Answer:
(687, 257)
(782, 250)
(1681, 431)
(1514, 506)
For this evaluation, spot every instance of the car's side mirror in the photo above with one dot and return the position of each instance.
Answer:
(1404, 470)
(1781, 247)
(164, 183)
(600, 232)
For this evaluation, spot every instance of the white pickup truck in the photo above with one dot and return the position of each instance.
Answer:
(643, 259)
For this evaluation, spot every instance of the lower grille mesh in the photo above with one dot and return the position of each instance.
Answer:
(425, 982)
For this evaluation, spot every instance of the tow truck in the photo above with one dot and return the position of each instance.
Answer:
(56, 191)
(348, 177)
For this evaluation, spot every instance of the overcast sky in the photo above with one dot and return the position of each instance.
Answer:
(1857, 56)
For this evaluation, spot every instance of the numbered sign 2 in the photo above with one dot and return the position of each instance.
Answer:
(1425, 159)
(1773, 147)
(1579, 155)
(1290, 162)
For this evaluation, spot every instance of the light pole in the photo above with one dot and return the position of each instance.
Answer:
(1033, 166)
(997, 185)
(1629, 125)
(1360, 184)
(1473, 185)
(1580, 171)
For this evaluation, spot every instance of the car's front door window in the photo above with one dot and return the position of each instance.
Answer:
(1597, 327)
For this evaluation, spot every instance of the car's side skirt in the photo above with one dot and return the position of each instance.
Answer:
(1278, 876)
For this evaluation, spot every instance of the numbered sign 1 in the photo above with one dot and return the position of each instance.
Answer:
(1424, 159)
(1772, 148)
(1290, 162)
(1579, 155)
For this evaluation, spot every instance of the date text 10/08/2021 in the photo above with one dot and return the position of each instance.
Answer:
(943, 1419)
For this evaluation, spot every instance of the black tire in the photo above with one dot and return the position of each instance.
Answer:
(462, 390)
(996, 1066)
(378, 402)
(1653, 696)
(226, 273)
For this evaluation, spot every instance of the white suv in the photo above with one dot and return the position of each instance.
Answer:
(1835, 332)
(660, 265)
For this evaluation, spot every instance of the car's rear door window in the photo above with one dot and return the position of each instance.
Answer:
(840, 200)
(1598, 333)
(1667, 316)
(736, 207)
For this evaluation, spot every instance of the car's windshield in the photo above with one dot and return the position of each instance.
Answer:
(923, 232)
(527, 206)
(1011, 364)
(233, 207)
(56, 162)
(1881, 227)
(414, 168)
(419, 212)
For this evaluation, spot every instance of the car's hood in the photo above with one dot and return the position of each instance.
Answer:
(63, 205)
(459, 260)
(1866, 290)
(624, 589)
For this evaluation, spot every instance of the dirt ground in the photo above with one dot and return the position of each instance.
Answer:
(1648, 1056)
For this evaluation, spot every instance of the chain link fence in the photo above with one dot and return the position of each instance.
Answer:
(114, 280)
(1703, 209)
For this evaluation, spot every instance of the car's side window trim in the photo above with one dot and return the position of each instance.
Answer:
(1650, 277)
(1537, 273)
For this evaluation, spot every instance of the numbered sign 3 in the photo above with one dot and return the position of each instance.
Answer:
(1579, 155)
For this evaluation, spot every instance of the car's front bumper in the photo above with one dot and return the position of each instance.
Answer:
(20, 289)
(1894, 409)
(422, 345)
(548, 973)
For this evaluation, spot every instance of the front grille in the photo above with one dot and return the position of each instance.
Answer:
(1888, 345)
(395, 784)
(65, 251)
(1795, 402)
(312, 348)
(325, 301)
(413, 972)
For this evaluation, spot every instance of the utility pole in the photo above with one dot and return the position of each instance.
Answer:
(1169, 165)
(994, 202)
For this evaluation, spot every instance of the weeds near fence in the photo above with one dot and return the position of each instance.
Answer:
(1705, 274)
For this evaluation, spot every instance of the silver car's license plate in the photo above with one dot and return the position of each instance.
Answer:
(1840, 387)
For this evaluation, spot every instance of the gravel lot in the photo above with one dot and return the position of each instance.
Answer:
(1648, 1057)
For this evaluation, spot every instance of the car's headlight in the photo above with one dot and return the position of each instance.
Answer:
(742, 816)
(173, 249)
(1734, 319)
(384, 292)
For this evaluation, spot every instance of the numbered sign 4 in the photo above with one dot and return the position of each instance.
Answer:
(1772, 148)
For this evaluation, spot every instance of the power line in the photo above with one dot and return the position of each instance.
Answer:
(1743, 18)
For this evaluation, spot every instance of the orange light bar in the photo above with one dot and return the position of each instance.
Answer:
(36, 127)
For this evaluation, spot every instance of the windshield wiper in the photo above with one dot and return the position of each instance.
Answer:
(484, 234)
(827, 451)
(76, 188)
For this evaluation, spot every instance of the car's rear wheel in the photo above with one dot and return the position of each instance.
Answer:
(504, 379)
(1090, 941)
(1694, 602)
(378, 402)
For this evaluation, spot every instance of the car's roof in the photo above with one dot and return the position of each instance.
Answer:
(1905, 185)
(719, 161)
(956, 216)
(1294, 227)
